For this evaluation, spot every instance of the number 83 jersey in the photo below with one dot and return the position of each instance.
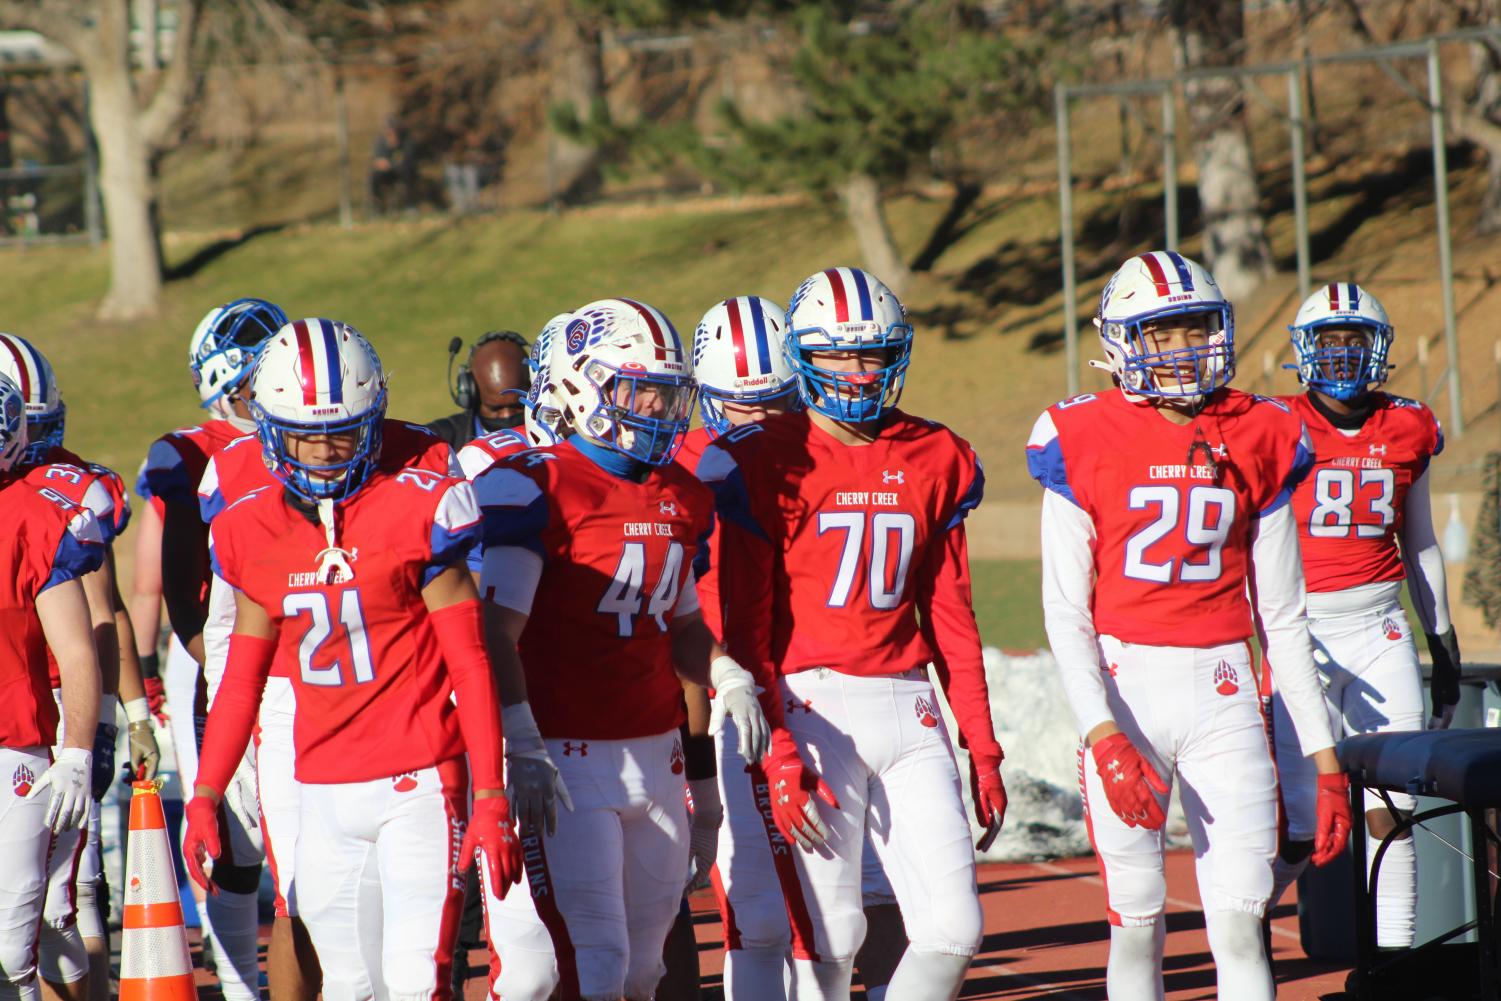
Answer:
(1349, 510)
(1174, 507)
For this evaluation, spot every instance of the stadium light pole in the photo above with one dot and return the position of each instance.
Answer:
(1170, 167)
(1066, 222)
(1300, 180)
(1445, 255)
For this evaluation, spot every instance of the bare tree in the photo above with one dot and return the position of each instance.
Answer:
(131, 129)
(576, 90)
(1211, 34)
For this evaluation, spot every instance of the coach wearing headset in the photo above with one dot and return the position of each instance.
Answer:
(489, 387)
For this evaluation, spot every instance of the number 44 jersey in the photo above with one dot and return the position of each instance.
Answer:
(1349, 510)
(1173, 506)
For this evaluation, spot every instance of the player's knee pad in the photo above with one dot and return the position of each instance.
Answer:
(763, 928)
(237, 878)
(1137, 896)
(61, 956)
(1239, 881)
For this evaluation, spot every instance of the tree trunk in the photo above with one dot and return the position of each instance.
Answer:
(577, 82)
(1212, 33)
(126, 185)
(878, 251)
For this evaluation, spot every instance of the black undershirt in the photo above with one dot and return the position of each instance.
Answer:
(1345, 422)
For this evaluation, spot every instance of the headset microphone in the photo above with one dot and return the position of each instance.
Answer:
(454, 347)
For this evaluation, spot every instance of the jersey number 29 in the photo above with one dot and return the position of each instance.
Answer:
(1205, 521)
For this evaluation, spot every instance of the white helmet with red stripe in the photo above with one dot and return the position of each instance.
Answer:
(319, 377)
(843, 310)
(620, 372)
(1344, 370)
(46, 416)
(738, 358)
(1156, 286)
(12, 424)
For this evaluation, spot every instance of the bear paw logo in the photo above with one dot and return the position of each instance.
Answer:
(1390, 630)
(677, 758)
(927, 712)
(1226, 681)
(405, 782)
(22, 779)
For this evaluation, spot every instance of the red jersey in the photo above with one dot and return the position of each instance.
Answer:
(372, 689)
(597, 648)
(707, 581)
(1349, 510)
(488, 449)
(48, 539)
(1173, 506)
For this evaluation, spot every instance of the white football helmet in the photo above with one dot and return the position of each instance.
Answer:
(317, 377)
(224, 346)
(12, 424)
(1348, 371)
(848, 310)
(1155, 286)
(738, 358)
(46, 416)
(622, 375)
(544, 415)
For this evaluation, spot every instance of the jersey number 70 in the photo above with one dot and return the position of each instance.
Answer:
(892, 535)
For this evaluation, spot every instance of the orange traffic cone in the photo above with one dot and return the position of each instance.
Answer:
(154, 960)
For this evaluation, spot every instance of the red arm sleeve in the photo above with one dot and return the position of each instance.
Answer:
(233, 714)
(463, 643)
(745, 574)
(946, 608)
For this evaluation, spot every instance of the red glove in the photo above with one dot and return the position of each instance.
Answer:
(1130, 781)
(988, 793)
(202, 839)
(1334, 818)
(156, 699)
(492, 832)
(792, 784)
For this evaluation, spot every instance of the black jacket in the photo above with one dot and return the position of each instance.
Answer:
(456, 429)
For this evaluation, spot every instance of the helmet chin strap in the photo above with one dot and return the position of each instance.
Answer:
(333, 562)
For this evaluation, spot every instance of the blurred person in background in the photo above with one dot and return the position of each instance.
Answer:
(393, 169)
(490, 389)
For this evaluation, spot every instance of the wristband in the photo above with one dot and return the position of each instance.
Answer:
(107, 703)
(151, 664)
(699, 760)
(137, 711)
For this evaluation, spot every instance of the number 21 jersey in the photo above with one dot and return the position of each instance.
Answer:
(1173, 506)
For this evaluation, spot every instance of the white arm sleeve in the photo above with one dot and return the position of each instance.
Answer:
(509, 577)
(687, 598)
(1424, 560)
(219, 623)
(1067, 581)
(1279, 600)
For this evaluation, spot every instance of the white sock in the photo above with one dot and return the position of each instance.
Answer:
(1396, 893)
(1240, 962)
(234, 927)
(928, 976)
(1284, 874)
(750, 974)
(1133, 972)
(826, 980)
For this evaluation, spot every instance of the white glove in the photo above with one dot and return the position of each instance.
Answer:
(735, 694)
(70, 779)
(533, 784)
(703, 832)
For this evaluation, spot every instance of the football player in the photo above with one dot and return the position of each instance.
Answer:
(219, 357)
(1364, 525)
(73, 944)
(1164, 499)
(588, 551)
(51, 542)
(844, 572)
(354, 574)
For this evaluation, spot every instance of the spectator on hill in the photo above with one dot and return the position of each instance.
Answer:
(392, 169)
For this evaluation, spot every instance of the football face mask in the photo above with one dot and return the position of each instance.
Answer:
(1342, 337)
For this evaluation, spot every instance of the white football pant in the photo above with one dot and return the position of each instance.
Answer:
(24, 843)
(278, 790)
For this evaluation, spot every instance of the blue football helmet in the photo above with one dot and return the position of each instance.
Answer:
(12, 424)
(844, 311)
(225, 344)
(1342, 371)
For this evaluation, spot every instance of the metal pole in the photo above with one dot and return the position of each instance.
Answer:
(1066, 228)
(1170, 167)
(1441, 207)
(91, 213)
(341, 131)
(1300, 183)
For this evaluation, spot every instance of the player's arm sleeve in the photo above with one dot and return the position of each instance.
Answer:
(747, 566)
(945, 605)
(509, 576)
(232, 715)
(687, 602)
(455, 532)
(1424, 560)
(1068, 540)
(80, 550)
(513, 512)
(98, 498)
(210, 497)
(217, 628)
(1279, 600)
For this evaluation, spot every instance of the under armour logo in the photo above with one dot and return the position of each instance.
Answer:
(581, 748)
(1378, 449)
(536, 458)
(887, 476)
(794, 704)
(667, 507)
(1116, 774)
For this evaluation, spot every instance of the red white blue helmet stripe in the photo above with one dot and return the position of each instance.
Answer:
(318, 351)
(1163, 266)
(667, 342)
(850, 289)
(1343, 295)
(739, 309)
(31, 371)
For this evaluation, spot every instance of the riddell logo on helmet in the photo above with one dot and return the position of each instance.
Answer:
(1226, 681)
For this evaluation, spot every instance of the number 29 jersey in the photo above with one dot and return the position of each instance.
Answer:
(372, 690)
(1349, 510)
(1173, 506)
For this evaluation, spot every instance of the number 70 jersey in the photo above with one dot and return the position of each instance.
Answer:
(1174, 507)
